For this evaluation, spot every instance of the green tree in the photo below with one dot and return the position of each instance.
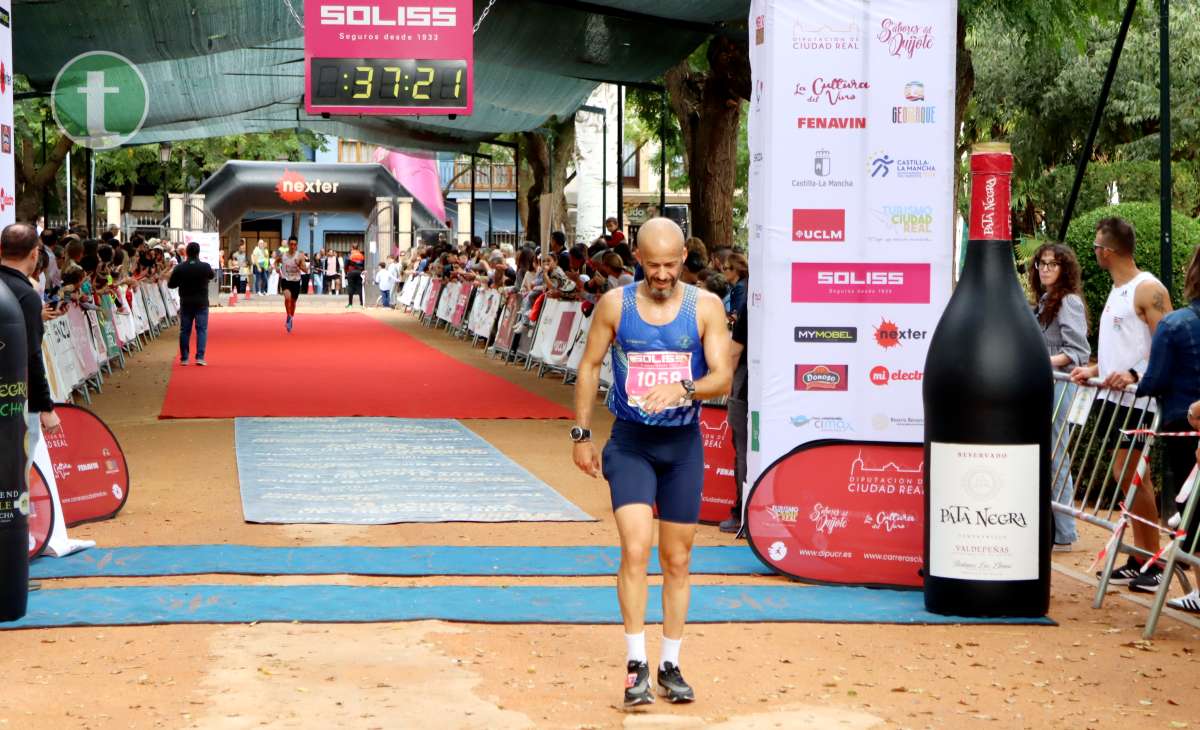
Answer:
(1040, 97)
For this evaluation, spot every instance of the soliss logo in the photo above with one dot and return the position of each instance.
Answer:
(421, 16)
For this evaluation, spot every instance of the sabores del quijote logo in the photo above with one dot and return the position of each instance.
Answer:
(904, 39)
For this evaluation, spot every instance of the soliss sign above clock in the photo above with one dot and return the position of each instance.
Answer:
(388, 57)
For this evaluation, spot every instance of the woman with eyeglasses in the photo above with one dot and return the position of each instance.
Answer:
(1055, 283)
(735, 269)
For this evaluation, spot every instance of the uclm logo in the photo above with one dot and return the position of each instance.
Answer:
(818, 225)
(821, 377)
(860, 283)
(412, 16)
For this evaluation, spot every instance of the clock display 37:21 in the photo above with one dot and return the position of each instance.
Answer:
(388, 82)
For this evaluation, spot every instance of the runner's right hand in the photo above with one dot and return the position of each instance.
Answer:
(586, 458)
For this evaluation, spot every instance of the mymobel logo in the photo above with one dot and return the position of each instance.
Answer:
(415, 16)
(99, 99)
(846, 335)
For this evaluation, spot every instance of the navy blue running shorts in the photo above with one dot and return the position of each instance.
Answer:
(661, 465)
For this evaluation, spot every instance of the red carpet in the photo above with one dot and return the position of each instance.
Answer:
(336, 365)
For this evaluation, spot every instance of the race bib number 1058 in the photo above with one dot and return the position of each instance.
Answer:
(650, 369)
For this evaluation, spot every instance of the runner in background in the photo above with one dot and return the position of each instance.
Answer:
(291, 265)
(670, 351)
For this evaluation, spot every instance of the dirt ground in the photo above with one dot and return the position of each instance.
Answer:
(1091, 671)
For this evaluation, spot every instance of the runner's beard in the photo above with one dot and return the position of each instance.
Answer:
(662, 295)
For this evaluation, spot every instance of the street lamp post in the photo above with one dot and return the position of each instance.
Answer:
(164, 156)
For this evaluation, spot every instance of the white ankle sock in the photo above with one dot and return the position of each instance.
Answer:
(670, 652)
(635, 647)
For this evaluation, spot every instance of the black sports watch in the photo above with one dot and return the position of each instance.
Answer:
(1135, 375)
(689, 389)
(580, 434)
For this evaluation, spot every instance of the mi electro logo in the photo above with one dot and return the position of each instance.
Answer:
(819, 225)
(419, 16)
(826, 335)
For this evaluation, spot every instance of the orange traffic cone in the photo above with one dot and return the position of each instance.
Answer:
(249, 289)
(233, 298)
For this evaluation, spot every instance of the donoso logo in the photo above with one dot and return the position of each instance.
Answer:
(821, 377)
(417, 16)
(813, 225)
(860, 283)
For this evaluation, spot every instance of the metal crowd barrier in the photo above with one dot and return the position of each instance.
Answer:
(1087, 458)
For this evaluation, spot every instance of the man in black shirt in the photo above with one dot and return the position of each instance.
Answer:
(191, 279)
(19, 250)
(737, 415)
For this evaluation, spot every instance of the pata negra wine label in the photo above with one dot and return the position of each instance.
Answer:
(983, 511)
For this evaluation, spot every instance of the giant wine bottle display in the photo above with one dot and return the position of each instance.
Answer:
(988, 392)
(14, 485)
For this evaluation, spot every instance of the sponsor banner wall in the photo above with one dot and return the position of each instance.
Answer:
(851, 225)
(851, 239)
(8, 180)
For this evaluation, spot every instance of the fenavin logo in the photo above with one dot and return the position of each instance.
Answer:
(415, 16)
(99, 99)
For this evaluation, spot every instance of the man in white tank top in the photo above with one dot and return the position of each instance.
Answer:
(1136, 304)
(291, 265)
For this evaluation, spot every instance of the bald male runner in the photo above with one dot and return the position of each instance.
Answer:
(670, 351)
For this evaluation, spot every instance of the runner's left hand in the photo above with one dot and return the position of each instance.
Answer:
(661, 397)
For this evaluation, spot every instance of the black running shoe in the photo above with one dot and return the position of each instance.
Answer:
(672, 686)
(637, 684)
(1125, 574)
(1149, 581)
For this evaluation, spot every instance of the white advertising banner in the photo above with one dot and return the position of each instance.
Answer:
(851, 216)
(210, 246)
(8, 179)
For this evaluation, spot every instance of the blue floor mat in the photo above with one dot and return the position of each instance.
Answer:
(135, 562)
(372, 471)
(179, 604)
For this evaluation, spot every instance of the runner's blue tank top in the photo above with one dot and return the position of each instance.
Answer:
(645, 355)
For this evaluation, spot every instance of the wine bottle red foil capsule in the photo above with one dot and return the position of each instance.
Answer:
(991, 192)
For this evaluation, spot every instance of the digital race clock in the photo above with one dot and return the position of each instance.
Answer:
(381, 82)
(390, 57)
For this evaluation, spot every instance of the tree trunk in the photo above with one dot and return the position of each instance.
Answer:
(964, 86)
(549, 174)
(32, 180)
(709, 109)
